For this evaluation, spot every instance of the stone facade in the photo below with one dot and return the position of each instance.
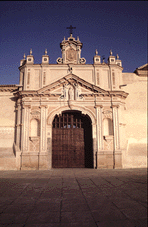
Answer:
(114, 101)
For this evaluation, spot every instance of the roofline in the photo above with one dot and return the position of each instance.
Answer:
(142, 66)
(9, 85)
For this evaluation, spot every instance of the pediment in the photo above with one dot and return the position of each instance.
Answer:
(142, 70)
(71, 87)
(73, 81)
(143, 67)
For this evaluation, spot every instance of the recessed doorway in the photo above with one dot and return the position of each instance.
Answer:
(72, 141)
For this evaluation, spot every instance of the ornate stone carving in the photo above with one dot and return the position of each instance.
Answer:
(59, 61)
(108, 142)
(82, 60)
(71, 54)
(107, 114)
(34, 144)
(71, 91)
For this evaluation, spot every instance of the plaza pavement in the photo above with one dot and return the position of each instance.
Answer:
(74, 197)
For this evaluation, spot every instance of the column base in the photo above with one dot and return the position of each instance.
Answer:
(106, 160)
(34, 161)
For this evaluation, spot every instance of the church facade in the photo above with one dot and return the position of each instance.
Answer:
(74, 115)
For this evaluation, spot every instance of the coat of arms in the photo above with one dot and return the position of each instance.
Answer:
(71, 54)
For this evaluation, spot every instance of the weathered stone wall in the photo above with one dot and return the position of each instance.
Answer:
(7, 119)
(135, 119)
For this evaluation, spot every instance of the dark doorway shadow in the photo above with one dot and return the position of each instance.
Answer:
(88, 142)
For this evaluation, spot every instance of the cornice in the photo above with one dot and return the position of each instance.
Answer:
(72, 79)
(8, 88)
(121, 94)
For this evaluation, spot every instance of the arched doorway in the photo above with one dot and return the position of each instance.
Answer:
(72, 141)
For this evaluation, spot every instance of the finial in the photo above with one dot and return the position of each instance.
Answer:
(117, 56)
(64, 38)
(78, 38)
(111, 52)
(30, 51)
(71, 35)
(103, 57)
(45, 51)
(24, 56)
(96, 52)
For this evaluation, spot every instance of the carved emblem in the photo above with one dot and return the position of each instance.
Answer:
(107, 114)
(71, 54)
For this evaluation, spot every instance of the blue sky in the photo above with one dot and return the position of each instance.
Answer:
(102, 25)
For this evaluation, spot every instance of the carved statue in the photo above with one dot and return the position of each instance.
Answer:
(70, 94)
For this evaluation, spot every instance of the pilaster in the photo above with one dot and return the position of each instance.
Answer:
(116, 127)
(43, 141)
(99, 127)
(18, 125)
(25, 128)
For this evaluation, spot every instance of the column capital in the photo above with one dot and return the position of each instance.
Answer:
(43, 106)
(113, 106)
(26, 106)
(98, 106)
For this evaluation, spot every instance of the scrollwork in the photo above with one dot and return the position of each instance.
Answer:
(82, 60)
(59, 61)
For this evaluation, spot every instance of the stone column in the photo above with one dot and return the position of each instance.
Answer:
(116, 128)
(18, 136)
(99, 127)
(100, 155)
(49, 145)
(117, 154)
(25, 128)
(43, 141)
(43, 157)
(25, 79)
(18, 125)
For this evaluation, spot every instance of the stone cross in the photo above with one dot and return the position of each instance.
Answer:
(71, 28)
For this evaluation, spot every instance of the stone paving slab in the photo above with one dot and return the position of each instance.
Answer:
(74, 197)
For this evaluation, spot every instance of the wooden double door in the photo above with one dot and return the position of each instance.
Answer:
(69, 141)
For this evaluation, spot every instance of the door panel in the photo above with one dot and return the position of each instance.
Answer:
(68, 149)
